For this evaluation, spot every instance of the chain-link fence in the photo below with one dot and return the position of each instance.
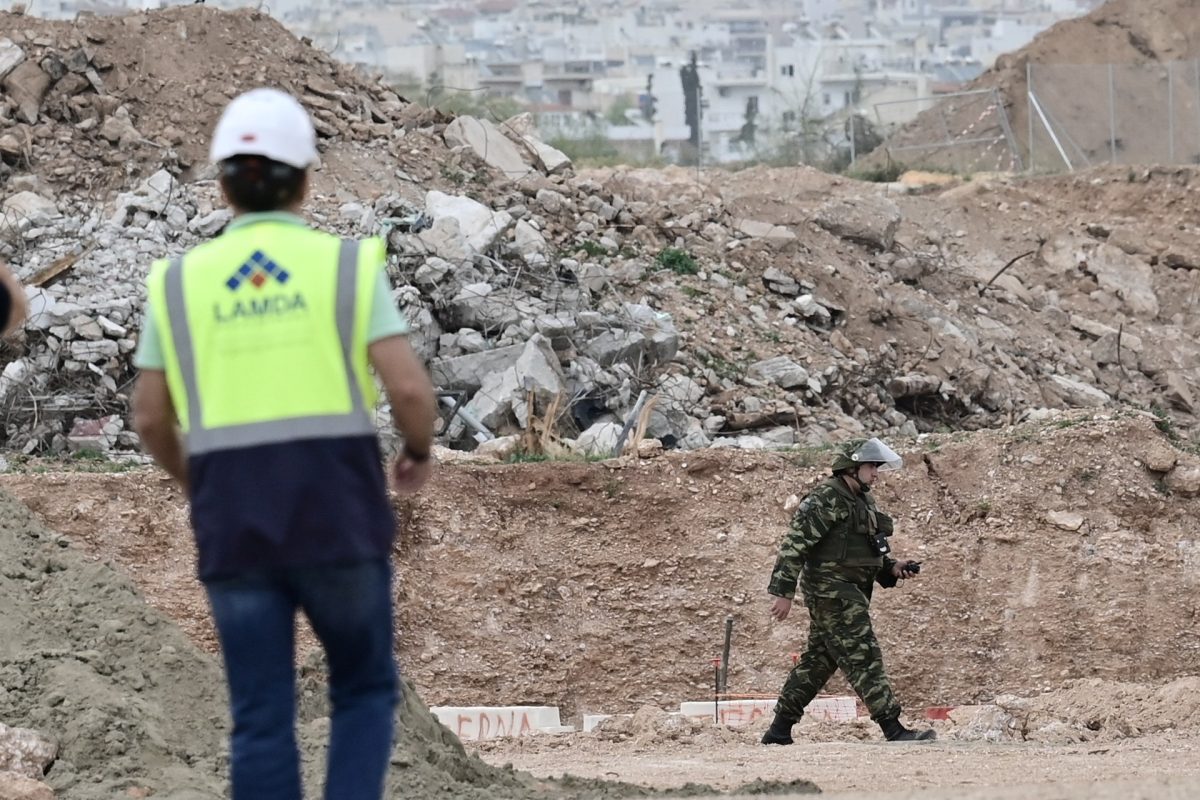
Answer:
(1083, 115)
(960, 132)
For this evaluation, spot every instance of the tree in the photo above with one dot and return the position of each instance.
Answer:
(689, 76)
(749, 127)
(649, 102)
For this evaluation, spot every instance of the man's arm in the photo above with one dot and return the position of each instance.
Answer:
(154, 421)
(414, 407)
(16, 300)
(807, 528)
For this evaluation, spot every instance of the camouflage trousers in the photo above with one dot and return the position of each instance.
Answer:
(839, 636)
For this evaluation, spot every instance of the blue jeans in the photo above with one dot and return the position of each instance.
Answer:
(350, 610)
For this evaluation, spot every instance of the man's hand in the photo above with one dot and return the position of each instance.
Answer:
(902, 569)
(409, 476)
(781, 608)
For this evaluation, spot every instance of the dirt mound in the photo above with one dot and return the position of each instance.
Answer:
(137, 710)
(1123, 32)
(1050, 552)
(132, 94)
(1098, 710)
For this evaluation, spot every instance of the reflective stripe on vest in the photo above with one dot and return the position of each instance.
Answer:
(201, 439)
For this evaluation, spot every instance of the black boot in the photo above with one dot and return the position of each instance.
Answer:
(895, 732)
(780, 731)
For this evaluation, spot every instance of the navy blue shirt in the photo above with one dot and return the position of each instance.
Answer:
(294, 504)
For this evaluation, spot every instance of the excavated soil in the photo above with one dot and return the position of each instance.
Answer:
(602, 588)
(1134, 35)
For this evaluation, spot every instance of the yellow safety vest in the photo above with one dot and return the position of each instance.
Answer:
(265, 336)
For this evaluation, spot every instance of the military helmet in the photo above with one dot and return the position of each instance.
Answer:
(867, 451)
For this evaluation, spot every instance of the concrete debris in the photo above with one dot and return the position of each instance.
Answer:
(871, 221)
(718, 296)
(598, 440)
(479, 225)
(27, 86)
(19, 787)
(503, 397)
(1129, 277)
(1077, 394)
(466, 372)
(10, 56)
(25, 752)
(781, 371)
(490, 144)
(1185, 479)
(1065, 520)
(764, 230)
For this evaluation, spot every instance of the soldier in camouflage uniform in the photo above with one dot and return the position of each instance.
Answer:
(836, 548)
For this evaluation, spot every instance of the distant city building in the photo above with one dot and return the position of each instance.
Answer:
(768, 71)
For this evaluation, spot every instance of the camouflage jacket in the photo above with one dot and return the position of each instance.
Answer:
(832, 529)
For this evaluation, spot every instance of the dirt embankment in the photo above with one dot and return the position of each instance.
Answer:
(1137, 36)
(1053, 551)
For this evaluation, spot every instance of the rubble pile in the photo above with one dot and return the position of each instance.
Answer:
(766, 308)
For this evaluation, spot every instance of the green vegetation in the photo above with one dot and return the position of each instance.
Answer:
(594, 150)
(616, 114)
(1162, 421)
(474, 104)
(678, 261)
(879, 173)
(808, 456)
(520, 457)
(593, 249)
(80, 461)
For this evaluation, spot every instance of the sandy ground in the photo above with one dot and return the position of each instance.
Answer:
(1162, 766)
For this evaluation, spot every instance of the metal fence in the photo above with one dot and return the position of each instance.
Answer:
(1083, 115)
(961, 132)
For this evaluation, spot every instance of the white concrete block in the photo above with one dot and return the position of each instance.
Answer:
(736, 713)
(833, 709)
(590, 721)
(474, 723)
(557, 729)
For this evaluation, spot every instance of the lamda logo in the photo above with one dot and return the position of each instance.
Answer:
(258, 271)
(254, 307)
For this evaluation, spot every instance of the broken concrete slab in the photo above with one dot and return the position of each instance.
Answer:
(529, 243)
(871, 221)
(27, 84)
(1184, 480)
(1177, 392)
(617, 346)
(779, 282)
(445, 241)
(481, 306)
(27, 209)
(599, 439)
(1065, 520)
(764, 230)
(480, 226)
(658, 328)
(550, 159)
(489, 143)
(468, 371)
(1129, 277)
(502, 396)
(781, 371)
(1076, 394)
(10, 56)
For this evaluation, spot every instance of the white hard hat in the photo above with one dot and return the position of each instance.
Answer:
(269, 123)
